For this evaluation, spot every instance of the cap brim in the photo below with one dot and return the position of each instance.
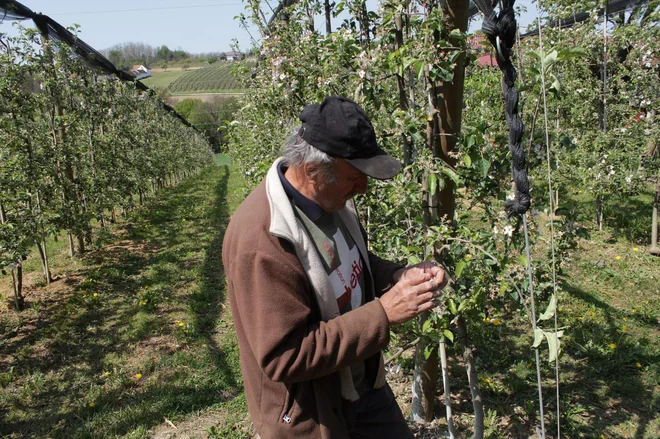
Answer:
(380, 167)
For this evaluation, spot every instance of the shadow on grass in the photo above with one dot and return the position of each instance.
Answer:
(119, 316)
(603, 389)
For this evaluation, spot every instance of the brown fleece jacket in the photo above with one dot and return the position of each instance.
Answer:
(291, 357)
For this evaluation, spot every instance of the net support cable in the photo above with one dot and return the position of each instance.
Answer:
(501, 29)
(11, 10)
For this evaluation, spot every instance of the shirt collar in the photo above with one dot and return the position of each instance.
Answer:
(312, 210)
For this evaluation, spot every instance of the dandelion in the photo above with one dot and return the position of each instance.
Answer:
(468, 257)
(496, 322)
(487, 320)
(591, 313)
(96, 294)
(635, 249)
(181, 324)
(613, 346)
(138, 376)
(144, 302)
(618, 257)
(91, 404)
(639, 365)
(625, 328)
(106, 374)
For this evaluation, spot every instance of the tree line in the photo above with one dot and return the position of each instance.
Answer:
(125, 55)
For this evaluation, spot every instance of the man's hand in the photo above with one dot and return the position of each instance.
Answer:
(414, 291)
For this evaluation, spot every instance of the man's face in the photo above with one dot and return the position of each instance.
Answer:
(350, 182)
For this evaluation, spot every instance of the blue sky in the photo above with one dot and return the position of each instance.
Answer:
(196, 26)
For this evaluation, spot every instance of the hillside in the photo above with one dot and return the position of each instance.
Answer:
(214, 78)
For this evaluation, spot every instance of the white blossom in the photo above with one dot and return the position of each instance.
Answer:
(508, 230)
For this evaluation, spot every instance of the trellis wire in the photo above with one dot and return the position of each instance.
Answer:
(552, 210)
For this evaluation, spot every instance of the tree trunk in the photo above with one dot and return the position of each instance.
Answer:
(328, 16)
(70, 238)
(473, 379)
(443, 127)
(655, 250)
(43, 254)
(425, 379)
(3, 214)
(447, 391)
(402, 87)
(599, 212)
(17, 284)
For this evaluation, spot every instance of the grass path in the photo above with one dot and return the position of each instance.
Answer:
(138, 338)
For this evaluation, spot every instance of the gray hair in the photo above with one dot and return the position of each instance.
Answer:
(297, 152)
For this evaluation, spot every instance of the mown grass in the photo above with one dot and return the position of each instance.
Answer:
(162, 79)
(151, 301)
(137, 334)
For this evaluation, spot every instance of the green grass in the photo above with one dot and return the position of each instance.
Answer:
(137, 334)
(162, 79)
(151, 301)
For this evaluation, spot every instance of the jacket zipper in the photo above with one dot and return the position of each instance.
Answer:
(289, 403)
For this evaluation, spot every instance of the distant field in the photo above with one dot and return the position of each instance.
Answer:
(215, 78)
(162, 79)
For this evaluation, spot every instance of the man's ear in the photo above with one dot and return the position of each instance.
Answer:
(310, 172)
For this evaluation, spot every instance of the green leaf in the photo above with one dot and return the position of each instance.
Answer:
(452, 306)
(426, 326)
(538, 337)
(449, 335)
(460, 267)
(553, 344)
(550, 311)
(467, 161)
(485, 167)
(428, 350)
(549, 60)
(432, 183)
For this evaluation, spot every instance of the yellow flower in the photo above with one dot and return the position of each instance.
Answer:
(618, 258)
(143, 302)
(496, 322)
(612, 345)
(635, 249)
(138, 376)
(106, 373)
(468, 257)
(91, 404)
(487, 320)
(181, 324)
(625, 319)
(625, 328)
(638, 364)
(96, 294)
(591, 313)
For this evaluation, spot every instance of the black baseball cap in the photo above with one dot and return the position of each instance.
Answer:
(340, 128)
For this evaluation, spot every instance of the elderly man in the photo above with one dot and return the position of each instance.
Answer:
(312, 305)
